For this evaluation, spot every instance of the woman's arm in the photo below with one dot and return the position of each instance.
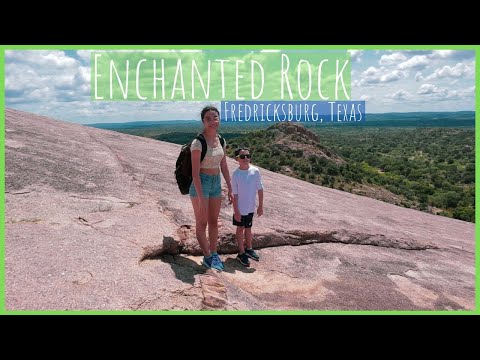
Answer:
(196, 174)
(226, 175)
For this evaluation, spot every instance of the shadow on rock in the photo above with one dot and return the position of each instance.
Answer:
(184, 268)
(232, 265)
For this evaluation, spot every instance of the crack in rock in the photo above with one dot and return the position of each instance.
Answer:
(185, 242)
(85, 222)
(130, 204)
(32, 221)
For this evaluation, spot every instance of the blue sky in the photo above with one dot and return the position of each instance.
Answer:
(56, 83)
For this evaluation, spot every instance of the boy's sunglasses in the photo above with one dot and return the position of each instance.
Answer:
(243, 156)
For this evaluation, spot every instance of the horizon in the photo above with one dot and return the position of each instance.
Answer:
(230, 122)
(195, 120)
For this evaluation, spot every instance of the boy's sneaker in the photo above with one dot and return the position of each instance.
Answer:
(243, 258)
(252, 254)
(217, 261)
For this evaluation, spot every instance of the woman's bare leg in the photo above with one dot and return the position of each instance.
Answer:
(201, 225)
(213, 212)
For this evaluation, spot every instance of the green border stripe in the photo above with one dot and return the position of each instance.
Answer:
(229, 47)
(242, 312)
(477, 173)
(240, 47)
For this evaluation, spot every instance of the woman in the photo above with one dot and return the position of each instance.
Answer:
(206, 188)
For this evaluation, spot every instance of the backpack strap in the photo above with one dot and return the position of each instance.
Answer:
(222, 140)
(201, 138)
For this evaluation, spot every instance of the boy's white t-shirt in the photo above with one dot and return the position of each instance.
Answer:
(246, 183)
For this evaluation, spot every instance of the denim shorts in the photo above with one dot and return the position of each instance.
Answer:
(211, 186)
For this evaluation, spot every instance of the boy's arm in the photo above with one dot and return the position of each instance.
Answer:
(260, 203)
(260, 195)
(236, 212)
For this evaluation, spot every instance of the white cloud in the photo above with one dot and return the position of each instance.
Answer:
(437, 92)
(427, 89)
(20, 77)
(392, 76)
(42, 59)
(392, 59)
(401, 95)
(83, 75)
(374, 75)
(458, 71)
(417, 62)
(442, 54)
(419, 76)
(452, 54)
(371, 71)
(47, 76)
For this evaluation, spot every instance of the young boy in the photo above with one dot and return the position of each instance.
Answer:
(246, 181)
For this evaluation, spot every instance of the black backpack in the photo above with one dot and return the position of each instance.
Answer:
(183, 166)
